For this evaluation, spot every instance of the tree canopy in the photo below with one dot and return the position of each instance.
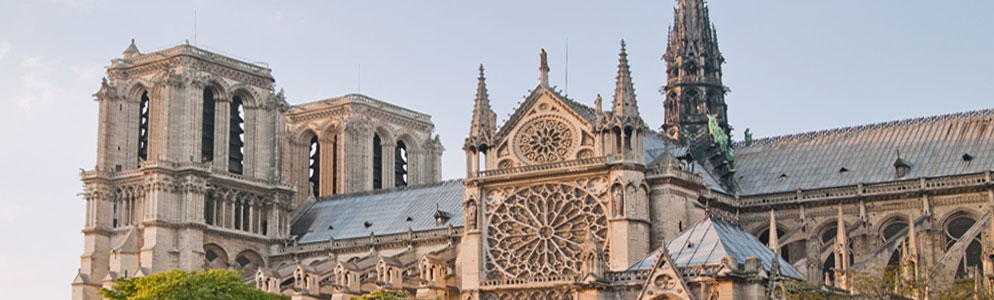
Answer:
(180, 285)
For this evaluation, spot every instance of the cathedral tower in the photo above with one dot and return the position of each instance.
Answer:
(696, 113)
(693, 67)
(186, 172)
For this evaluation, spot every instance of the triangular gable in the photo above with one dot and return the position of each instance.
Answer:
(579, 111)
(665, 281)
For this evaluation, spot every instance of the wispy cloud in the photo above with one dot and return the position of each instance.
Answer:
(4, 49)
(45, 80)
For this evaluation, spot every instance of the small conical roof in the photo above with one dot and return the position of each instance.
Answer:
(132, 50)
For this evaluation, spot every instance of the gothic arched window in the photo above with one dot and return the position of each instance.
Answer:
(209, 208)
(400, 164)
(314, 176)
(890, 231)
(236, 131)
(377, 163)
(207, 130)
(238, 214)
(143, 116)
(955, 231)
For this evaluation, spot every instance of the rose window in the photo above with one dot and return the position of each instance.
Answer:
(545, 141)
(539, 231)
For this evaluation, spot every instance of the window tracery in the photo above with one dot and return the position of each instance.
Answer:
(545, 141)
(539, 231)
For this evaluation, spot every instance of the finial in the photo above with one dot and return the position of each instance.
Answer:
(597, 104)
(622, 45)
(132, 50)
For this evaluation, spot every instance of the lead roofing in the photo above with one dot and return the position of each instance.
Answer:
(942, 145)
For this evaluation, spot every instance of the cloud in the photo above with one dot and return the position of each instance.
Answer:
(45, 80)
(4, 49)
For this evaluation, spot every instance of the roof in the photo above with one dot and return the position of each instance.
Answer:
(711, 239)
(381, 212)
(933, 146)
(655, 145)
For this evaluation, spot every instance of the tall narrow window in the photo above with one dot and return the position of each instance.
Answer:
(236, 132)
(377, 163)
(628, 138)
(334, 164)
(400, 164)
(315, 166)
(207, 130)
(143, 112)
(238, 215)
(246, 210)
(209, 209)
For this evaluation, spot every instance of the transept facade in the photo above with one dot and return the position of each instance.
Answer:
(204, 165)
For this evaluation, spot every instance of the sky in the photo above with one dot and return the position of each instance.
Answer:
(792, 66)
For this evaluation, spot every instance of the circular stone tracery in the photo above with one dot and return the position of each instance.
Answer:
(545, 141)
(540, 231)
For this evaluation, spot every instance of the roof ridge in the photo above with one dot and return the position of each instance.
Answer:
(987, 112)
(388, 190)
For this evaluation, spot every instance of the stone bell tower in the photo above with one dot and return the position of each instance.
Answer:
(186, 172)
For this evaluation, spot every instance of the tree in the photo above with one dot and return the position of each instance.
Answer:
(888, 283)
(385, 295)
(180, 285)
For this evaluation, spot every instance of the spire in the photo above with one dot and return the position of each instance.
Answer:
(132, 50)
(624, 92)
(841, 253)
(482, 127)
(774, 244)
(543, 69)
(693, 66)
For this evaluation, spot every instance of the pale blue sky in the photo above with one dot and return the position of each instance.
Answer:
(792, 66)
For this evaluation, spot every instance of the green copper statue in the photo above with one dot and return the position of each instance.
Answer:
(719, 137)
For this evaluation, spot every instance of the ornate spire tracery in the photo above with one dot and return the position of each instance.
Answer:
(624, 104)
(483, 126)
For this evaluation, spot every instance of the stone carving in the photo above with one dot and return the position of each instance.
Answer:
(539, 231)
(545, 141)
(551, 294)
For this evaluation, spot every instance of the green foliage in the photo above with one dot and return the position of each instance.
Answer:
(386, 295)
(887, 283)
(179, 285)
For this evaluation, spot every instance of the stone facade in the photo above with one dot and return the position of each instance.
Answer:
(203, 165)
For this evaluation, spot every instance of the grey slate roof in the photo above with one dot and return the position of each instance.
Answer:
(708, 241)
(933, 146)
(386, 211)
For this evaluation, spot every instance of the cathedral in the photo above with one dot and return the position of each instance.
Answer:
(210, 167)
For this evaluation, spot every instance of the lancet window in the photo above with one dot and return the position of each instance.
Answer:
(400, 164)
(236, 133)
(143, 116)
(207, 130)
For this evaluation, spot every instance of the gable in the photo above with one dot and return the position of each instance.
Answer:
(546, 128)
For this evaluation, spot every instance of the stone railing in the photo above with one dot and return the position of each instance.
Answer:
(201, 53)
(363, 99)
(373, 240)
(876, 189)
(525, 281)
(543, 167)
(627, 276)
(182, 166)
